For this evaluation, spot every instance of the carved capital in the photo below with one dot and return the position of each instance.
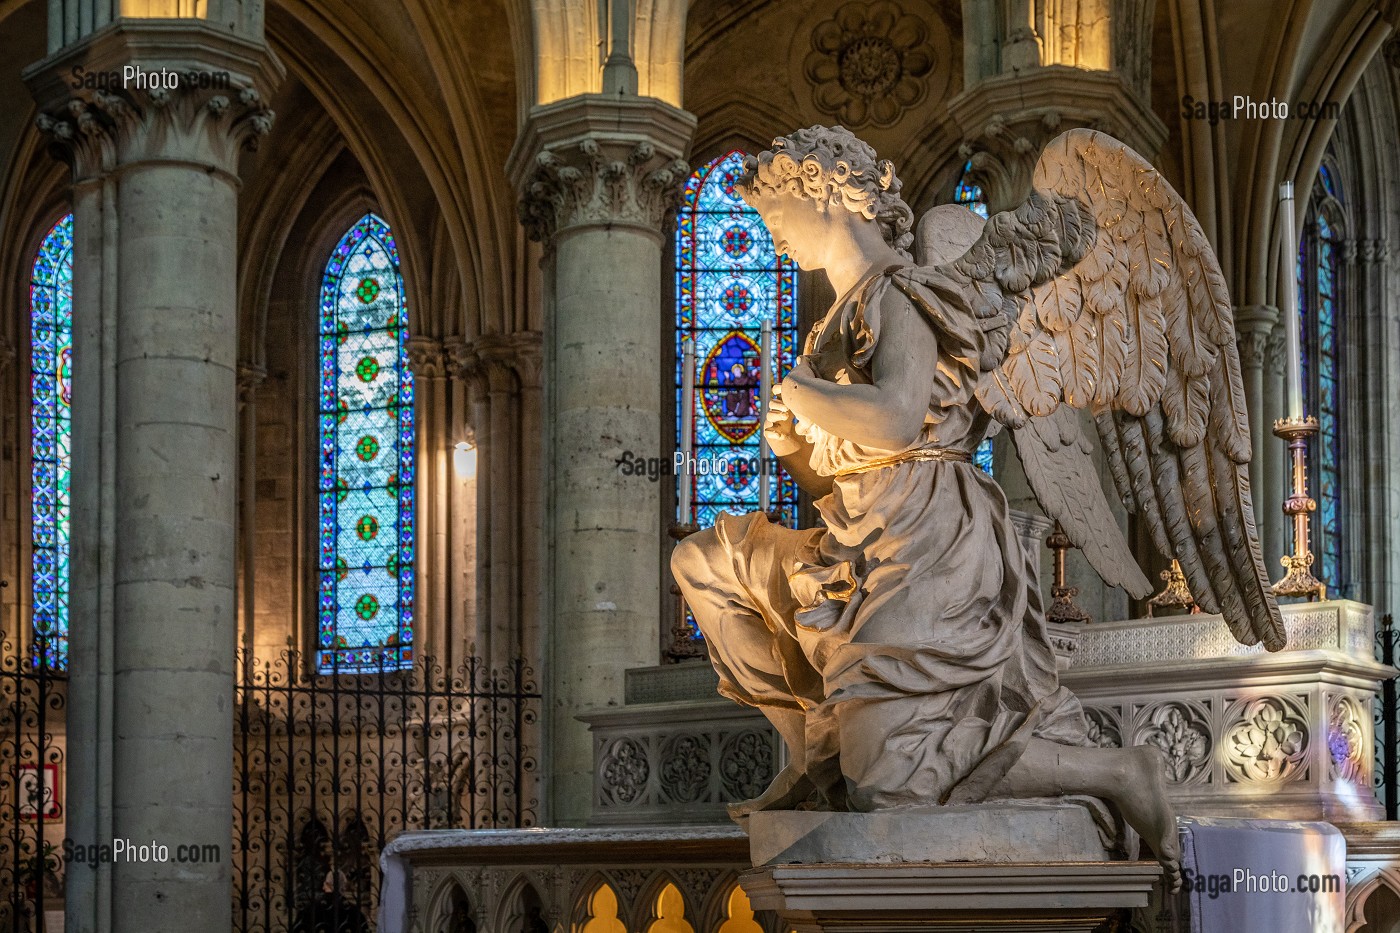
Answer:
(600, 161)
(426, 357)
(250, 376)
(488, 363)
(194, 94)
(1007, 120)
(1375, 251)
(1254, 324)
(529, 358)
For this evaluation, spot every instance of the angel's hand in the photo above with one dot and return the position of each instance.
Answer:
(795, 388)
(778, 429)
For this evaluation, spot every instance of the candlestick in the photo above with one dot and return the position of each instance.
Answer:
(765, 390)
(687, 428)
(1288, 301)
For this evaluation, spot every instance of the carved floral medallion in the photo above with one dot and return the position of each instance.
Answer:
(1267, 742)
(868, 63)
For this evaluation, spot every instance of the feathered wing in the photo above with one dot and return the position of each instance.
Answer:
(1060, 467)
(1113, 300)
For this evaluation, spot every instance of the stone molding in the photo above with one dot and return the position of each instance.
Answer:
(954, 897)
(100, 130)
(595, 161)
(1006, 120)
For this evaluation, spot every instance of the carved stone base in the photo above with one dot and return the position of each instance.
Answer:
(1009, 831)
(1247, 733)
(1066, 897)
(1026, 864)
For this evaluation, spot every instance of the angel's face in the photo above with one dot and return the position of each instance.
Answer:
(799, 226)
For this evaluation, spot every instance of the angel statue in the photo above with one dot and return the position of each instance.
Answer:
(900, 650)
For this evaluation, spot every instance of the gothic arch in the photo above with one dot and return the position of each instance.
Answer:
(450, 897)
(1359, 894)
(517, 908)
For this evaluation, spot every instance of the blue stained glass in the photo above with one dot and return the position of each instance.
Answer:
(729, 280)
(1319, 294)
(971, 195)
(983, 456)
(365, 565)
(1324, 175)
(51, 402)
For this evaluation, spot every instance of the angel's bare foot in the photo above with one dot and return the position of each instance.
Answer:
(789, 789)
(1146, 808)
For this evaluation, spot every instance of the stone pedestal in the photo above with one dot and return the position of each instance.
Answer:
(1022, 865)
(1064, 897)
(1247, 733)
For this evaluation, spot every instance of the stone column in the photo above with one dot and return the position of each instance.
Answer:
(155, 461)
(433, 451)
(1255, 324)
(528, 365)
(597, 177)
(250, 376)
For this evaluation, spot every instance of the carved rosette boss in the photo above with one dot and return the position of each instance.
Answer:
(868, 64)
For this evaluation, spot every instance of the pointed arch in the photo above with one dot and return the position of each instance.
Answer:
(669, 911)
(365, 578)
(50, 413)
(1322, 312)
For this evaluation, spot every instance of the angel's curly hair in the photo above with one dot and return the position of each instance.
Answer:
(831, 165)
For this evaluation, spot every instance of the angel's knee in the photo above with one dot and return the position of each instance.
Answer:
(691, 560)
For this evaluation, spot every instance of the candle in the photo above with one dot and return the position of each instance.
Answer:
(687, 427)
(1288, 301)
(765, 391)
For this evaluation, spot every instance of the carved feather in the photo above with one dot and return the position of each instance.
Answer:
(1062, 474)
(1120, 305)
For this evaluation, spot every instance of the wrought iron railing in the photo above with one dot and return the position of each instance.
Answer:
(1387, 744)
(329, 768)
(33, 697)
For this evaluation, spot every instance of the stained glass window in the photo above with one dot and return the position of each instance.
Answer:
(365, 577)
(51, 400)
(971, 195)
(968, 193)
(729, 280)
(1319, 297)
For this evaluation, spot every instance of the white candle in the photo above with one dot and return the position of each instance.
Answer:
(1288, 301)
(687, 427)
(765, 390)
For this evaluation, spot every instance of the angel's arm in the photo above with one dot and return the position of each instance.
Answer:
(889, 413)
(793, 450)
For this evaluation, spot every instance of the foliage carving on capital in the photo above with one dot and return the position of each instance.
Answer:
(529, 358)
(593, 183)
(1003, 157)
(426, 357)
(96, 131)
